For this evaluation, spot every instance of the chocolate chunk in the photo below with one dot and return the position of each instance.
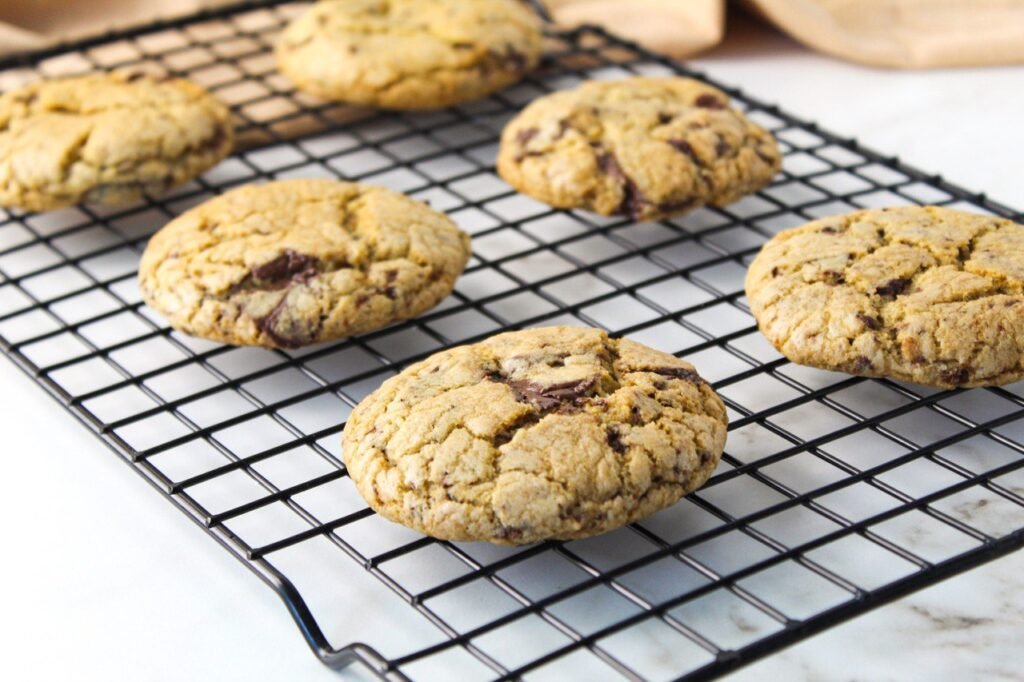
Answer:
(722, 147)
(674, 206)
(510, 533)
(894, 287)
(632, 199)
(705, 457)
(134, 76)
(390, 292)
(288, 268)
(524, 136)
(862, 364)
(678, 373)
(686, 148)
(831, 229)
(635, 417)
(270, 325)
(776, 271)
(833, 278)
(956, 376)
(609, 165)
(515, 59)
(615, 439)
(709, 101)
(507, 433)
(869, 321)
(548, 398)
(564, 397)
(664, 118)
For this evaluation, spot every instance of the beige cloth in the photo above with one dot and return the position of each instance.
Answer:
(899, 33)
(34, 24)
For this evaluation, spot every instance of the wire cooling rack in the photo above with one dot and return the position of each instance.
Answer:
(835, 494)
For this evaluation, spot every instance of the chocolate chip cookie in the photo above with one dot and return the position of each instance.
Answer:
(922, 294)
(558, 432)
(106, 139)
(410, 54)
(647, 148)
(296, 262)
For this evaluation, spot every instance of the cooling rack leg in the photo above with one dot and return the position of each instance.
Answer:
(336, 659)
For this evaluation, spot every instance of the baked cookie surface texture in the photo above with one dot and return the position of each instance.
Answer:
(296, 262)
(410, 54)
(647, 148)
(922, 294)
(556, 432)
(106, 139)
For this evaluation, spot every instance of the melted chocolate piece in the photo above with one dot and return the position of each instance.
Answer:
(833, 278)
(510, 533)
(609, 165)
(673, 206)
(708, 101)
(686, 148)
(722, 147)
(524, 136)
(678, 373)
(516, 59)
(565, 397)
(560, 397)
(632, 199)
(288, 268)
(956, 376)
(615, 439)
(893, 288)
(268, 324)
(862, 364)
(869, 321)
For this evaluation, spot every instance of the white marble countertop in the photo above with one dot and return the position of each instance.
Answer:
(120, 586)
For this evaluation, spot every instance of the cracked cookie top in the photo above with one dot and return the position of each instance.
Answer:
(296, 262)
(410, 54)
(922, 294)
(557, 432)
(647, 148)
(106, 139)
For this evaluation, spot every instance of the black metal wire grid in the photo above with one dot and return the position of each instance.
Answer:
(836, 493)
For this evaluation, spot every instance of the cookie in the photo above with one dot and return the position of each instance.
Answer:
(647, 148)
(921, 294)
(296, 262)
(558, 432)
(106, 139)
(410, 54)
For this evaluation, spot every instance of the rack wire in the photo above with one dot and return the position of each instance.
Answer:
(835, 494)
